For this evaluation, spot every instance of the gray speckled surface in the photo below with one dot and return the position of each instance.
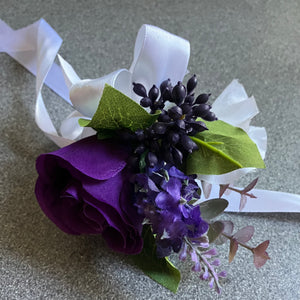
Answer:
(255, 41)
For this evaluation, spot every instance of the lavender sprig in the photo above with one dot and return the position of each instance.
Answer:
(203, 265)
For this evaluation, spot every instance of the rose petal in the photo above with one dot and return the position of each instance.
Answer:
(88, 157)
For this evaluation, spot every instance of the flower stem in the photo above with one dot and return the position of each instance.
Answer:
(242, 244)
(240, 192)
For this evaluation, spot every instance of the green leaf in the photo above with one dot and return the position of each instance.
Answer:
(159, 269)
(116, 110)
(212, 208)
(84, 122)
(223, 148)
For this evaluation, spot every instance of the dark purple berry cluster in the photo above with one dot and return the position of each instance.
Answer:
(168, 139)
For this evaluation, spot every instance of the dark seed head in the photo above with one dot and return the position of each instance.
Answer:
(202, 98)
(198, 126)
(210, 116)
(139, 89)
(168, 156)
(173, 137)
(191, 84)
(186, 108)
(180, 124)
(177, 155)
(151, 159)
(150, 133)
(140, 149)
(145, 102)
(175, 112)
(159, 104)
(189, 99)
(140, 135)
(178, 93)
(165, 84)
(153, 93)
(167, 95)
(159, 127)
(163, 117)
(188, 144)
(201, 110)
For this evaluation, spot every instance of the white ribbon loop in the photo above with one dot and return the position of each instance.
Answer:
(86, 94)
(156, 54)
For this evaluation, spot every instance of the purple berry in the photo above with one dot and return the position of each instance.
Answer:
(175, 112)
(159, 127)
(177, 155)
(167, 95)
(189, 99)
(210, 116)
(191, 84)
(151, 159)
(173, 137)
(165, 84)
(201, 110)
(188, 144)
(153, 93)
(139, 89)
(202, 98)
(178, 93)
(145, 102)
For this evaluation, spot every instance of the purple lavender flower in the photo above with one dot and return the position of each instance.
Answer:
(164, 199)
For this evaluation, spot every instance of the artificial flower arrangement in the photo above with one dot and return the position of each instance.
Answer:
(140, 155)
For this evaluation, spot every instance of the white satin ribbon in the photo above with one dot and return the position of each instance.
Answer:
(156, 56)
(265, 201)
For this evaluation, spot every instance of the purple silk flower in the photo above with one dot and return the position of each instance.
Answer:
(84, 189)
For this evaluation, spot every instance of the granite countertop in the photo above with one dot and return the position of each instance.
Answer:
(254, 41)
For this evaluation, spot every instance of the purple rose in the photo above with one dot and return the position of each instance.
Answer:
(83, 188)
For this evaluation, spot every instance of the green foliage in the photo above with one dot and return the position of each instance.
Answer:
(222, 149)
(159, 269)
(212, 208)
(116, 111)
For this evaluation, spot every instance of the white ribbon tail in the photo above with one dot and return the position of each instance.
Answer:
(265, 201)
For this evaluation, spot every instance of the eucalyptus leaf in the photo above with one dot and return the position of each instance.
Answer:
(233, 249)
(159, 269)
(116, 110)
(244, 235)
(214, 231)
(212, 208)
(222, 148)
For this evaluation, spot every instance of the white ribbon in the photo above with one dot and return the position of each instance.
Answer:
(156, 56)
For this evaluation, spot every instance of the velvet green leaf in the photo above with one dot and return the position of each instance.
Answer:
(116, 110)
(212, 208)
(223, 148)
(159, 269)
